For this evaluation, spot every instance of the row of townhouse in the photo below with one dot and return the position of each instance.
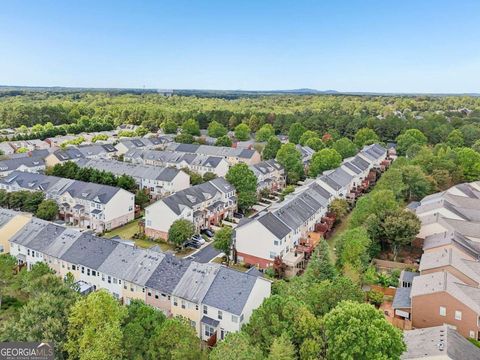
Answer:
(199, 163)
(232, 155)
(204, 205)
(158, 181)
(447, 289)
(72, 153)
(215, 299)
(11, 147)
(284, 227)
(270, 175)
(27, 164)
(86, 205)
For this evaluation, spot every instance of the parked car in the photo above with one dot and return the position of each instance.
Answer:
(238, 215)
(197, 238)
(193, 244)
(208, 232)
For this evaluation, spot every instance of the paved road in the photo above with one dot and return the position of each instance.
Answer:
(206, 254)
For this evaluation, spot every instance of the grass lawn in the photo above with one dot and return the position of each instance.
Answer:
(126, 232)
(339, 229)
(238, 267)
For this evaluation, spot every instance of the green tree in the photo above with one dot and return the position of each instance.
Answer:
(47, 210)
(216, 130)
(409, 138)
(245, 183)
(184, 138)
(320, 267)
(223, 141)
(282, 349)
(417, 184)
(315, 144)
(175, 339)
(345, 147)
(359, 331)
(242, 132)
(325, 159)
(309, 134)
(33, 201)
(236, 346)
(141, 198)
(191, 127)
(295, 132)
(290, 158)
(180, 231)
(170, 127)
(141, 131)
(271, 148)
(353, 249)
(365, 136)
(94, 330)
(401, 229)
(379, 203)
(339, 207)
(455, 139)
(139, 327)
(265, 133)
(223, 240)
(469, 160)
(208, 176)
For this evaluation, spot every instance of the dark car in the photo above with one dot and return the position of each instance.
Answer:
(238, 215)
(208, 232)
(193, 244)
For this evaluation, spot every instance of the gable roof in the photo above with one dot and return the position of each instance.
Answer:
(196, 281)
(14, 164)
(168, 274)
(273, 224)
(230, 290)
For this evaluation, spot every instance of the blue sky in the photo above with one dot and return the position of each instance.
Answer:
(388, 46)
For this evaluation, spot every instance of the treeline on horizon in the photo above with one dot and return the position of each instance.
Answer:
(338, 115)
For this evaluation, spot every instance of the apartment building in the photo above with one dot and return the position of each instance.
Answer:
(158, 181)
(26, 164)
(86, 205)
(198, 163)
(204, 205)
(447, 290)
(232, 155)
(215, 299)
(270, 175)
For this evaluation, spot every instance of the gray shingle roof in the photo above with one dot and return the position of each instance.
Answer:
(439, 341)
(196, 281)
(213, 150)
(89, 250)
(168, 274)
(14, 164)
(230, 290)
(402, 298)
(274, 225)
(29, 231)
(5, 216)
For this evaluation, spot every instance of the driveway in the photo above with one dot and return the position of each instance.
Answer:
(205, 254)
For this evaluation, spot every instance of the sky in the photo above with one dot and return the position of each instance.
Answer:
(379, 46)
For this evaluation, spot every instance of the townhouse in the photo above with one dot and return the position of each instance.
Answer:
(447, 291)
(6, 149)
(86, 205)
(30, 145)
(307, 153)
(198, 163)
(270, 175)
(126, 144)
(286, 229)
(95, 151)
(26, 164)
(10, 223)
(158, 181)
(204, 205)
(231, 155)
(215, 299)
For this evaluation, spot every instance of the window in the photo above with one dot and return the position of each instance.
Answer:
(193, 324)
(209, 331)
(275, 242)
(149, 293)
(183, 304)
(472, 334)
(175, 302)
(94, 273)
(109, 280)
(272, 255)
(156, 296)
(119, 281)
(222, 334)
(114, 280)
(103, 277)
(205, 309)
(83, 270)
(88, 272)
(241, 318)
(458, 315)
(220, 315)
(28, 252)
(149, 222)
(74, 267)
(234, 319)
(196, 307)
(443, 311)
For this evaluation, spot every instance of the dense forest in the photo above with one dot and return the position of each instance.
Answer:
(339, 115)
